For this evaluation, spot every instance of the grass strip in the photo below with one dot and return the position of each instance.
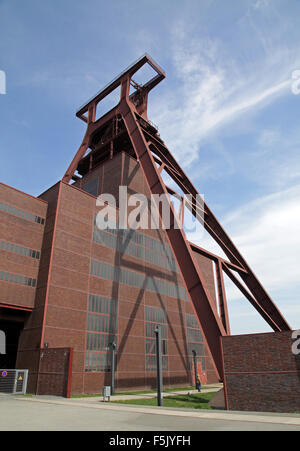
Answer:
(140, 392)
(193, 401)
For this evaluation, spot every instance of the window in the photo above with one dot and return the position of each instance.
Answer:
(98, 304)
(103, 270)
(101, 332)
(105, 238)
(97, 361)
(16, 278)
(194, 341)
(19, 250)
(92, 187)
(155, 317)
(151, 364)
(21, 213)
(134, 243)
(136, 279)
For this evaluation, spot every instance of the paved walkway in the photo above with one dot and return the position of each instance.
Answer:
(53, 413)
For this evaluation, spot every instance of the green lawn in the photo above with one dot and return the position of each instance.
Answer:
(138, 392)
(193, 401)
(165, 390)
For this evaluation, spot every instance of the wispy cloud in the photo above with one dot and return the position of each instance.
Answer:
(215, 89)
(259, 4)
(272, 160)
(266, 231)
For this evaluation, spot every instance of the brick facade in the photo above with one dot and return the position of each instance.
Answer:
(58, 315)
(261, 373)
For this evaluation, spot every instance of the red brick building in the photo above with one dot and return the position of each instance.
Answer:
(69, 291)
(66, 284)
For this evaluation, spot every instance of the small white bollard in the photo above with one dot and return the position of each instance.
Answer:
(106, 392)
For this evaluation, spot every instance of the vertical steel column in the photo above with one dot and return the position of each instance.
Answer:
(157, 331)
(195, 367)
(113, 351)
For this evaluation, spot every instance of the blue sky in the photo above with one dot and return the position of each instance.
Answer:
(227, 110)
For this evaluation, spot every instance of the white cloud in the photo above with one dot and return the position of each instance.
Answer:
(268, 138)
(215, 89)
(261, 4)
(266, 232)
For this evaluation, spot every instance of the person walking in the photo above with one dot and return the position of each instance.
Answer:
(198, 384)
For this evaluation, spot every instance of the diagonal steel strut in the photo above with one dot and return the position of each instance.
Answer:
(205, 310)
(149, 150)
(271, 313)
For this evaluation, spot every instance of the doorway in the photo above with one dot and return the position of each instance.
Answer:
(11, 324)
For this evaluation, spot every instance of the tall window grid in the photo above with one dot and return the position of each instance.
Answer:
(155, 317)
(136, 279)
(194, 341)
(101, 333)
(136, 244)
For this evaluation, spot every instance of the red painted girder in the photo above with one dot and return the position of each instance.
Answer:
(212, 225)
(251, 299)
(216, 258)
(186, 186)
(222, 297)
(91, 128)
(205, 310)
(128, 73)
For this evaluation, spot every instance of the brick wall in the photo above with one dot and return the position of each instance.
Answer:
(19, 231)
(261, 373)
(58, 313)
(54, 372)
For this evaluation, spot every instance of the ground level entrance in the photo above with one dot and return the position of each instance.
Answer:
(11, 324)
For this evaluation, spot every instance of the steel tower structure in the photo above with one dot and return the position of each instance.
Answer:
(127, 127)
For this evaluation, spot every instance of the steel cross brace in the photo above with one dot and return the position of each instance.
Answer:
(145, 145)
(211, 224)
(205, 310)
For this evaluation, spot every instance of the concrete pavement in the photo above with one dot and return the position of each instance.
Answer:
(53, 413)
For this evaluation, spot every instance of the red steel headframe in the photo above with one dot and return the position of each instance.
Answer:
(149, 150)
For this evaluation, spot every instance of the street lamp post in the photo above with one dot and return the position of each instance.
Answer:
(157, 331)
(195, 367)
(113, 350)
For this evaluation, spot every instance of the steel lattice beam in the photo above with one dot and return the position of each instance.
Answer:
(150, 150)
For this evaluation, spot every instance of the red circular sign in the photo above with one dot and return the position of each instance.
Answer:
(4, 373)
